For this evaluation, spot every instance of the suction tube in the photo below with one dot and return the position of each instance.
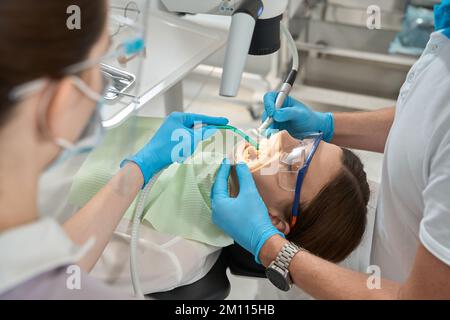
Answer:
(135, 236)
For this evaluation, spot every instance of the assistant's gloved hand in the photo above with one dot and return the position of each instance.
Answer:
(245, 218)
(297, 118)
(175, 141)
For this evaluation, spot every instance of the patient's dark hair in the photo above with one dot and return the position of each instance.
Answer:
(332, 225)
(36, 42)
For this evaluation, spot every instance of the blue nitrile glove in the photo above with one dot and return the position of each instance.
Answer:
(245, 218)
(296, 118)
(442, 17)
(175, 141)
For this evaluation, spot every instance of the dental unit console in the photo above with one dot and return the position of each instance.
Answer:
(255, 30)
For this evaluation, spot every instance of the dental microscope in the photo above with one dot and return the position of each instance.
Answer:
(255, 30)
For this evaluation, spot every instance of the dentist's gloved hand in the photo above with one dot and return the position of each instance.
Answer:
(297, 118)
(175, 141)
(245, 218)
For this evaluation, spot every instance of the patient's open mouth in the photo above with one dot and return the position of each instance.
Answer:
(255, 159)
(250, 153)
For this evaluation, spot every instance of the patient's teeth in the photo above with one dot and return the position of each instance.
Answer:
(252, 153)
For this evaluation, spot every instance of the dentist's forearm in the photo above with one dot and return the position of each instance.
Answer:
(363, 130)
(100, 217)
(324, 280)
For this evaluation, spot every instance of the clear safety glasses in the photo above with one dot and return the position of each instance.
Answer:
(294, 165)
(293, 160)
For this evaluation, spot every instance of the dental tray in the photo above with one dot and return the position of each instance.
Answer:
(120, 81)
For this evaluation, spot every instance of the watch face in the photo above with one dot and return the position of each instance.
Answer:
(278, 279)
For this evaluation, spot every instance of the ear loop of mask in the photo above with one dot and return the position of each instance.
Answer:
(84, 88)
(43, 106)
(45, 103)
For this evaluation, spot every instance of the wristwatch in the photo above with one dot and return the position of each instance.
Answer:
(278, 270)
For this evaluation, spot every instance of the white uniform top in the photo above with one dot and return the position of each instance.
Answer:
(34, 264)
(414, 202)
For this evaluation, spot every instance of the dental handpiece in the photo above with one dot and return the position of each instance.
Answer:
(289, 83)
(281, 98)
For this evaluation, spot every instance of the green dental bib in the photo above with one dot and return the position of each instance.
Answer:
(179, 202)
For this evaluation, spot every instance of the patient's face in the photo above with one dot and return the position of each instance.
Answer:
(265, 167)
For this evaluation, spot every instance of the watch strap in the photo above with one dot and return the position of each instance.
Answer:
(286, 255)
